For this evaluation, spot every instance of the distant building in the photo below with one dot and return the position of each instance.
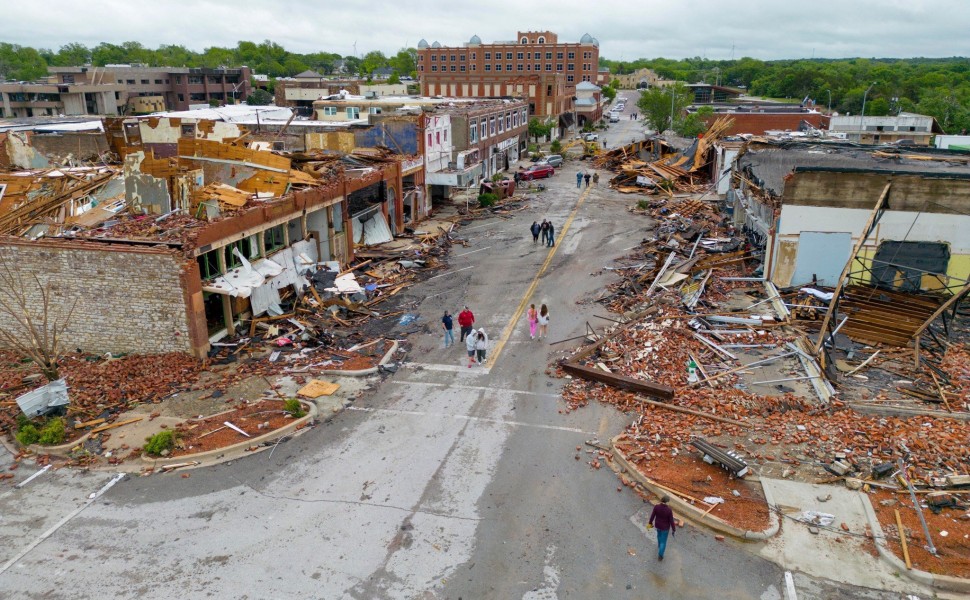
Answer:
(706, 93)
(640, 78)
(535, 66)
(905, 127)
(759, 120)
(589, 103)
(85, 94)
(179, 86)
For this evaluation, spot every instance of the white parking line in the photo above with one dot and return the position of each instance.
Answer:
(94, 496)
(473, 251)
(790, 587)
(32, 477)
(475, 369)
(418, 413)
(480, 388)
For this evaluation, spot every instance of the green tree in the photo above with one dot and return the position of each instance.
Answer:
(352, 65)
(691, 125)
(72, 55)
(394, 79)
(405, 62)
(259, 98)
(372, 61)
(539, 129)
(21, 63)
(663, 107)
(609, 92)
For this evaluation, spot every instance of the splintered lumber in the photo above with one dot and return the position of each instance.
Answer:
(620, 381)
(696, 413)
(88, 423)
(118, 424)
(902, 538)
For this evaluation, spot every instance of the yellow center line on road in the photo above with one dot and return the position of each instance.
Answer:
(510, 327)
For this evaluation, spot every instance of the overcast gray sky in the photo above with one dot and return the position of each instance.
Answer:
(716, 29)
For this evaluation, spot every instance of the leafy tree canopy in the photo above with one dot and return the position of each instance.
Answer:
(939, 87)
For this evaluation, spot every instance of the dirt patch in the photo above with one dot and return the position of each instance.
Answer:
(211, 433)
(953, 548)
(690, 476)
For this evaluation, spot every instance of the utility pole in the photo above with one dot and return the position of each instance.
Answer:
(672, 94)
(862, 119)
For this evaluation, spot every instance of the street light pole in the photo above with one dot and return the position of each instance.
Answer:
(672, 92)
(862, 119)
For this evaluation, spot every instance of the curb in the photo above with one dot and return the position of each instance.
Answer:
(694, 514)
(940, 582)
(363, 372)
(220, 455)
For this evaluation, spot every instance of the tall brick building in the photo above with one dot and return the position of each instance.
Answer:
(535, 66)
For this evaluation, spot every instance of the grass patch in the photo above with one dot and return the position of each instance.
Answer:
(161, 441)
(294, 407)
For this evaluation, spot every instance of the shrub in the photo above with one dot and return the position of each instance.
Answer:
(486, 200)
(163, 440)
(533, 149)
(498, 177)
(555, 147)
(27, 434)
(643, 205)
(294, 407)
(53, 432)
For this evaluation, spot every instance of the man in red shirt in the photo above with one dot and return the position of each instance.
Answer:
(466, 320)
(663, 519)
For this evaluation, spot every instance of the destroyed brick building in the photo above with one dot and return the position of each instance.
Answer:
(193, 230)
(807, 204)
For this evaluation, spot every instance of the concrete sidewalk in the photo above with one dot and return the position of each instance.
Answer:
(832, 553)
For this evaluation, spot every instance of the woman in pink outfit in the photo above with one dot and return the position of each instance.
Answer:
(533, 320)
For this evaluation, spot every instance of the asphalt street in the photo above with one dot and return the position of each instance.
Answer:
(440, 482)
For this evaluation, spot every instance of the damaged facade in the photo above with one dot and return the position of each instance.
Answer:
(195, 229)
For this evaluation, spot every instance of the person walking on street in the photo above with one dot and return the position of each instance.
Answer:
(533, 316)
(579, 179)
(466, 320)
(545, 232)
(481, 345)
(535, 229)
(552, 235)
(663, 519)
(448, 324)
(596, 178)
(470, 341)
(586, 177)
(543, 320)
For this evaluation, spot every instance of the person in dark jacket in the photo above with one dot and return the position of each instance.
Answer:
(551, 235)
(587, 177)
(448, 324)
(545, 232)
(663, 519)
(535, 229)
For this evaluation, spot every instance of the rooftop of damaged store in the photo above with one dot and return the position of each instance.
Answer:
(180, 225)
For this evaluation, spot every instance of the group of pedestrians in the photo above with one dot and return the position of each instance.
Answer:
(581, 177)
(476, 341)
(546, 230)
(633, 116)
(538, 321)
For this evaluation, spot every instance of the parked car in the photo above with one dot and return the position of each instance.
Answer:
(614, 117)
(591, 137)
(553, 160)
(538, 171)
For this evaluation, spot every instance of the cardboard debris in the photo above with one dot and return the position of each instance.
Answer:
(317, 387)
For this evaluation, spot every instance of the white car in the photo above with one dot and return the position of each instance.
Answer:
(591, 137)
(614, 117)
